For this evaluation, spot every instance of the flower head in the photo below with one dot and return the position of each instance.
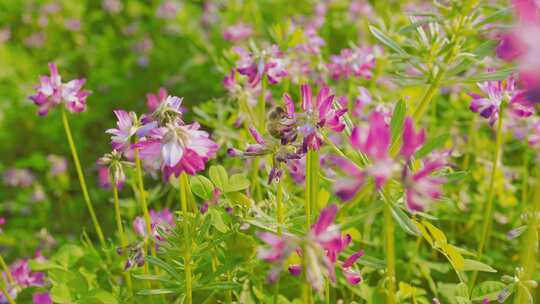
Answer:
(154, 100)
(421, 187)
(267, 62)
(237, 32)
(159, 220)
(356, 62)
(51, 92)
(489, 102)
(58, 164)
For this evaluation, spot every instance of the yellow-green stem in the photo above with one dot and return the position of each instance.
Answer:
(279, 220)
(187, 251)
(6, 294)
(144, 204)
(121, 234)
(486, 227)
(82, 180)
(262, 105)
(390, 255)
(529, 255)
(6, 270)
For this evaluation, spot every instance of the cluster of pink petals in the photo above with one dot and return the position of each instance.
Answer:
(322, 247)
(58, 164)
(522, 43)
(51, 92)
(176, 148)
(317, 114)
(237, 32)
(154, 100)
(357, 62)
(159, 220)
(420, 187)
(18, 177)
(494, 93)
(23, 278)
(267, 63)
(105, 180)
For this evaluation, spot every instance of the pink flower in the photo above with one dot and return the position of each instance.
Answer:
(488, 104)
(420, 187)
(159, 220)
(41, 298)
(105, 180)
(237, 32)
(355, 62)
(154, 100)
(177, 148)
(51, 92)
(58, 164)
(168, 9)
(375, 143)
(267, 62)
(411, 140)
(317, 114)
(126, 128)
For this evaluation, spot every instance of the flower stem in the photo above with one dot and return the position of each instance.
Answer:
(6, 270)
(390, 258)
(279, 220)
(121, 234)
(312, 189)
(187, 250)
(82, 181)
(486, 228)
(262, 104)
(529, 253)
(6, 294)
(144, 204)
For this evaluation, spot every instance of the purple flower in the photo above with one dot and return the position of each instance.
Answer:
(168, 9)
(154, 100)
(159, 220)
(51, 92)
(41, 298)
(237, 32)
(355, 62)
(267, 62)
(489, 103)
(317, 114)
(18, 178)
(58, 164)
(112, 6)
(105, 178)
(420, 187)
(177, 148)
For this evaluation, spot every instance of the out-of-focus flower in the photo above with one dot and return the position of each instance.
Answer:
(23, 277)
(112, 6)
(35, 40)
(421, 187)
(237, 32)
(411, 140)
(159, 220)
(5, 34)
(177, 148)
(114, 168)
(357, 62)
(38, 195)
(51, 92)
(522, 43)
(18, 177)
(41, 298)
(58, 164)
(317, 114)
(169, 111)
(168, 9)
(73, 24)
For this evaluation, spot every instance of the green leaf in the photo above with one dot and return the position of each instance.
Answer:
(60, 294)
(437, 235)
(497, 75)
(98, 296)
(384, 39)
(68, 255)
(217, 220)
(160, 291)
(487, 289)
(432, 144)
(404, 221)
(239, 198)
(237, 182)
(219, 176)
(201, 186)
(219, 286)
(473, 265)
(396, 124)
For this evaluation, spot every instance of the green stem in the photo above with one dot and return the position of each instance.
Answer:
(6, 294)
(262, 104)
(144, 204)
(486, 228)
(279, 220)
(82, 181)
(187, 250)
(121, 234)
(6, 270)
(529, 254)
(390, 255)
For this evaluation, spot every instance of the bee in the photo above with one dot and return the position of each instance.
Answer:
(281, 126)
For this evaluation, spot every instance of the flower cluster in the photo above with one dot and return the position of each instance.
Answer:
(23, 278)
(356, 62)
(52, 91)
(159, 220)
(374, 141)
(320, 248)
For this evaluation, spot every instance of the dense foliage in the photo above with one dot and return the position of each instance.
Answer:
(336, 151)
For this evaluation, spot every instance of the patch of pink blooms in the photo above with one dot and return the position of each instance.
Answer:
(320, 248)
(267, 62)
(355, 62)
(374, 140)
(23, 278)
(51, 92)
(237, 32)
